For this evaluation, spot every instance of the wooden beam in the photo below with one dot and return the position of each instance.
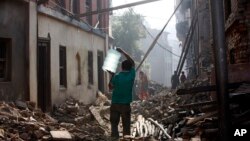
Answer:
(196, 119)
(96, 113)
(200, 89)
(197, 104)
(196, 90)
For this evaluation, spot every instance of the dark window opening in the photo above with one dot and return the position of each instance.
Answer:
(76, 6)
(62, 67)
(5, 59)
(61, 3)
(88, 4)
(62, 6)
(228, 8)
(99, 7)
(90, 67)
(79, 78)
(100, 71)
(232, 56)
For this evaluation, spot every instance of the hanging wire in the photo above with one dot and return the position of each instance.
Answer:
(160, 45)
(157, 37)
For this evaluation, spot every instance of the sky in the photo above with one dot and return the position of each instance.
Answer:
(156, 14)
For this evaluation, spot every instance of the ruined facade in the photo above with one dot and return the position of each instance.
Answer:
(195, 13)
(199, 58)
(237, 28)
(48, 53)
(14, 39)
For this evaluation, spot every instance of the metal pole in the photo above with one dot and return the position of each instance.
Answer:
(185, 46)
(221, 67)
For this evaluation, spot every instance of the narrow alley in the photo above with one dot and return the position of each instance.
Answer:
(124, 70)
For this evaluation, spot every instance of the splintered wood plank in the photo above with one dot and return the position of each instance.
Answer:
(196, 119)
(195, 90)
(97, 115)
(198, 104)
(1, 133)
(200, 89)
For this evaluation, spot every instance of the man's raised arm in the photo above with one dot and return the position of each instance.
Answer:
(126, 55)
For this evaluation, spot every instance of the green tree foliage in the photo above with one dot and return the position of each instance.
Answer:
(127, 30)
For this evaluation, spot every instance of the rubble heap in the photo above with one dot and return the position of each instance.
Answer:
(165, 116)
(155, 88)
(159, 106)
(194, 98)
(78, 119)
(21, 121)
(189, 113)
(72, 120)
(155, 116)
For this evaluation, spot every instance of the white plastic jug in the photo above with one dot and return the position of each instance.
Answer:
(111, 61)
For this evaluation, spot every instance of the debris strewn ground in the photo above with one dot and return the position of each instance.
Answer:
(164, 116)
(70, 121)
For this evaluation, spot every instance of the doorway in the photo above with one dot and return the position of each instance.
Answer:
(43, 74)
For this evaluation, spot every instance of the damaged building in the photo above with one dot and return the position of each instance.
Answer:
(48, 52)
(194, 22)
(237, 28)
(51, 53)
(222, 78)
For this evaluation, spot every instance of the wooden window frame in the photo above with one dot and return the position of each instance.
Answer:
(227, 8)
(76, 7)
(100, 16)
(88, 7)
(79, 76)
(90, 68)
(62, 66)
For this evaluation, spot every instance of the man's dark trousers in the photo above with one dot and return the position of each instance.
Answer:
(117, 111)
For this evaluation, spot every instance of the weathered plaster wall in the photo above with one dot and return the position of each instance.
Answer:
(33, 51)
(76, 41)
(14, 25)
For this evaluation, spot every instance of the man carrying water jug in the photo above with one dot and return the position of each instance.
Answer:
(121, 85)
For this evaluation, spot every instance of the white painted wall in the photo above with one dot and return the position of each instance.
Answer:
(32, 51)
(76, 41)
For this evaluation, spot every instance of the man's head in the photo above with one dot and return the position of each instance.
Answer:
(182, 72)
(126, 65)
(175, 72)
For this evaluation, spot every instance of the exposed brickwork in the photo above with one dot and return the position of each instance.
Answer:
(238, 32)
(237, 40)
(238, 44)
(94, 7)
(104, 17)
